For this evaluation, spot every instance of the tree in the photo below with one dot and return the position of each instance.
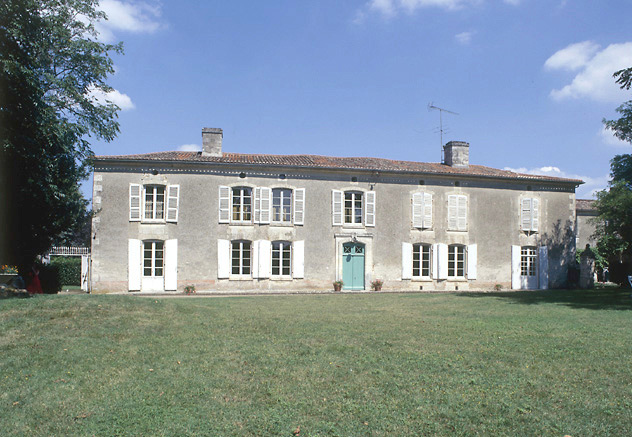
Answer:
(622, 128)
(52, 67)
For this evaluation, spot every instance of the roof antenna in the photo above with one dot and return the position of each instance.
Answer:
(431, 106)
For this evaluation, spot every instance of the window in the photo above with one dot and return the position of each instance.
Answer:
(153, 258)
(240, 258)
(281, 205)
(282, 258)
(457, 212)
(529, 214)
(153, 203)
(456, 261)
(422, 210)
(421, 261)
(528, 260)
(242, 204)
(353, 208)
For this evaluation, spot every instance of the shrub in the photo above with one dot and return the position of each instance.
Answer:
(49, 278)
(69, 269)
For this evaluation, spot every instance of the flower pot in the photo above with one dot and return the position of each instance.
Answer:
(337, 287)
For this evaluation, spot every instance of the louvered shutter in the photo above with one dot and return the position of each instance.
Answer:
(255, 258)
(299, 206)
(418, 210)
(369, 216)
(515, 267)
(434, 256)
(171, 265)
(224, 204)
(134, 203)
(336, 207)
(452, 212)
(525, 215)
(265, 204)
(462, 214)
(257, 205)
(543, 267)
(223, 259)
(134, 255)
(535, 215)
(173, 200)
(427, 211)
(471, 261)
(442, 255)
(298, 259)
(407, 260)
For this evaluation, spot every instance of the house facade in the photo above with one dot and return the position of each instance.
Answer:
(242, 222)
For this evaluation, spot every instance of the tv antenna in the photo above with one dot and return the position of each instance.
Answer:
(431, 106)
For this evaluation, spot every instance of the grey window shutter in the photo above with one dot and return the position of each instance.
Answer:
(224, 204)
(418, 210)
(336, 207)
(525, 214)
(452, 212)
(462, 214)
(535, 215)
(173, 200)
(543, 267)
(265, 203)
(256, 205)
(427, 210)
(299, 206)
(369, 216)
(134, 202)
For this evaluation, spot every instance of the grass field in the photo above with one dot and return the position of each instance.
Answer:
(527, 363)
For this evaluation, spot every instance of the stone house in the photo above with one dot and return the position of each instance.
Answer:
(243, 222)
(585, 211)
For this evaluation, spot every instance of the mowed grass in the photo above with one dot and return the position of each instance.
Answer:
(526, 363)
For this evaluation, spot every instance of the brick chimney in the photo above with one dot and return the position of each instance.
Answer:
(212, 141)
(457, 154)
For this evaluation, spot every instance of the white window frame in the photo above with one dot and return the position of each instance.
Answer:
(241, 212)
(153, 259)
(283, 194)
(241, 267)
(154, 210)
(528, 261)
(353, 210)
(285, 253)
(454, 250)
(418, 252)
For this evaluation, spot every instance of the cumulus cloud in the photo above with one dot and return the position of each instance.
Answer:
(121, 100)
(128, 16)
(585, 191)
(189, 148)
(464, 38)
(391, 7)
(607, 137)
(594, 67)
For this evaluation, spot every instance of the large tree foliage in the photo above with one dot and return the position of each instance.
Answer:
(622, 128)
(51, 68)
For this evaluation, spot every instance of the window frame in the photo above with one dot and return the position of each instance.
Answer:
(419, 253)
(284, 253)
(153, 258)
(528, 261)
(240, 264)
(454, 251)
(353, 210)
(154, 188)
(242, 204)
(282, 198)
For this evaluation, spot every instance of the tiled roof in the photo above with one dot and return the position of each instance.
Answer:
(330, 162)
(584, 205)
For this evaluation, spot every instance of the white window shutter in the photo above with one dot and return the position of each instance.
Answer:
(515, 268)
(257, 205)
(298, 259)
(452, 212)
(223, 259)
(299, 206)
(336, 207)
(369, 206)
(173, 201)
(255, 258)
(471, 261)
(265, 256)
(434, 256)
(525, 214)
(224, 204)
(442, 254)
(543, 267)
(427, 210)
(171, 265)
(407, 260)
(134, 264)
(134, 203)
(266, 204)
(462, 215)
(418, 210)
(535, 215)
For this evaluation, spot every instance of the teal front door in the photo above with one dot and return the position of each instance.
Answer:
(353, 266)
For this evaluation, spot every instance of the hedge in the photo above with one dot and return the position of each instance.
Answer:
(69, 269)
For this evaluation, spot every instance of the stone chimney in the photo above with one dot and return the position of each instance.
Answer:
(212, 141)
(456, 154)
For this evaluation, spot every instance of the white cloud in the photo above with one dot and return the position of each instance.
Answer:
(391, 7)
(513, 2)
(607, 137)
(189, 148)
(121, 100)
(128, 16)
(585, 191)
(464, 38)
(595, 68)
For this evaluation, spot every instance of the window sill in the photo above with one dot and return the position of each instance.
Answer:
(240, 224)
(457, 279)
(282, 225)
(240, 278)
(281, 278)
(421, 279)
(153, 222)
(457, 230)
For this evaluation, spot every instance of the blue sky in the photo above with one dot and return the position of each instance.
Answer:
(530, 80)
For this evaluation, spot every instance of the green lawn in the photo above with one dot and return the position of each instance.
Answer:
(526, 363)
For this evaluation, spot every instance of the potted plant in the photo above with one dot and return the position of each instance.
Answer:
(189, 289)
(7, 274)
(376, 284)
(338, 285)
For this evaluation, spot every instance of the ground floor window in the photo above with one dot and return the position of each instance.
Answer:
(528, 260)
(281, 258)
(241, 259)
(153, 258)
(421, 260)
(456, 261)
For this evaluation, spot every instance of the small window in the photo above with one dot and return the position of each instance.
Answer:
(241, 258)
(154, 207)
(153, 258)
(353, 207)
(281, 205)
(242, 204)
(456, 261)
(421, 261)
(282, 259)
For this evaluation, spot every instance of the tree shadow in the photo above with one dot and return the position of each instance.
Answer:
(600, 299)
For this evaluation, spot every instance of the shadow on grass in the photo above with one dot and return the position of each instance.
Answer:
(604, 299)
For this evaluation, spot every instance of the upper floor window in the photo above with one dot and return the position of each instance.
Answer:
(457, 212)
(530, 214)
(241, 204)
(154, 203)
(261, 205)
(281, 205)
(422, 210)
(456, 261)
(353, 208)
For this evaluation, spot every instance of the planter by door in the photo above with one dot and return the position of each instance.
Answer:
(353, 266)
